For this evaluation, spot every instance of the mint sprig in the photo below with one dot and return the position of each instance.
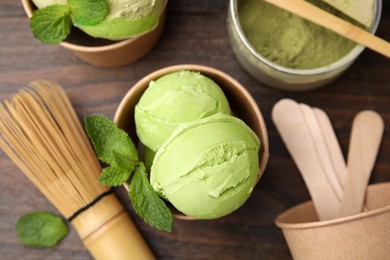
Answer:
(147, 203)
(51, 24)
(114, 147)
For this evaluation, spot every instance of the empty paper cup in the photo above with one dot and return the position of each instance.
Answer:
(361, 236)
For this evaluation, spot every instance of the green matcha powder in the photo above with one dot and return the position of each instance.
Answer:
(289, 40)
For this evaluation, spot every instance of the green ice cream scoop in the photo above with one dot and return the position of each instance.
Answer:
(208, 168)
(173, 99)
(125, 18)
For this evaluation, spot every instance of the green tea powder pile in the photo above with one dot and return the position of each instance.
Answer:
(289, 40)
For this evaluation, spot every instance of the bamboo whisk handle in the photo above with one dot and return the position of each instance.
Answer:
(108, 232)
(118, 239)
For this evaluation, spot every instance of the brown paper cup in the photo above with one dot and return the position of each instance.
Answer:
(361, 236)
(105, 53)
(241, 102)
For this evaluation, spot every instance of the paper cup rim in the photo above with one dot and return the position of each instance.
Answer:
(325, 223)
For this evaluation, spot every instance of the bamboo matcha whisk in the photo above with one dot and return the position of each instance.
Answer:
(40, 132)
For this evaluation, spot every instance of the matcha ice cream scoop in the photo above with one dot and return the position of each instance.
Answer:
(173, 99)
(207, 168)
(44, 3)
(125, 18)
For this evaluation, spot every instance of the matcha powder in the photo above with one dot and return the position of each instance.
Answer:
(289, 40)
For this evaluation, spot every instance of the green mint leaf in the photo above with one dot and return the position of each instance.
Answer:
(124, 162)
(51, 24)
(147, 203)
(112, 145)
(41, 229)
(88, 12)
(113, 176)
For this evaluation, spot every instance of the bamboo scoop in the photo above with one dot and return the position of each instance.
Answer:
(335, 24)
(366, 136)
(291, 125)
(359, 10)
(40, 132)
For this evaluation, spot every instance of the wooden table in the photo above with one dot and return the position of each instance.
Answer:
(195, 32)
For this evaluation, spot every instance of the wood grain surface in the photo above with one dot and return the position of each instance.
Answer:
(195, 32)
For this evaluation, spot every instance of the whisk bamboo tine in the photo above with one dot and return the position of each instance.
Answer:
(61, 107)
(38, 134)
(15, 144)
(65, 106)
(41, 133)
(53, 138)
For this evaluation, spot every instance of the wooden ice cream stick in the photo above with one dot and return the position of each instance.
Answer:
(366, 136)
(335, 24)
(333, 146)
(294, 132)
(321, 147)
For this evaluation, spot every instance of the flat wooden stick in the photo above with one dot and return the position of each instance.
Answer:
(333, 145)
(292, 128)
(322, 149)
(366, 136)
(335, 24)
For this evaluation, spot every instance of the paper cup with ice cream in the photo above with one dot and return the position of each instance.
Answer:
(128, 32)
(203, 136)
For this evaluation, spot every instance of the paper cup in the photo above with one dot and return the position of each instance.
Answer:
(105, 53)
(361, 236)
(241, 103)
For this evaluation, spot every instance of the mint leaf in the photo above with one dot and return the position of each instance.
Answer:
(88, 12)
(123, 161)
(147, 203)
(41, 229)
(113, 176)
(112, 145)
(51, 24)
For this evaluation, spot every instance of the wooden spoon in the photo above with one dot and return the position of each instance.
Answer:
(366, 136)
(333, 23)
(291, 125)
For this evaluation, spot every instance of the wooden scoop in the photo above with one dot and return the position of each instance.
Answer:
(291, 125)
(335, 24)
(366, 136)
(359, 10)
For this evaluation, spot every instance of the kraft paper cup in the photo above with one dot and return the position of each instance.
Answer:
(241, 102)
(106, 53)
(361, 236)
